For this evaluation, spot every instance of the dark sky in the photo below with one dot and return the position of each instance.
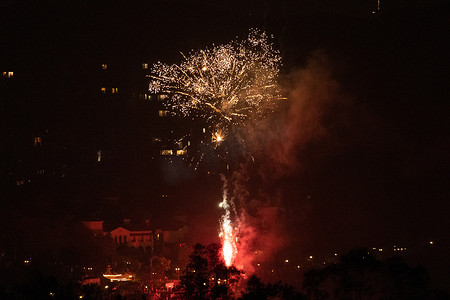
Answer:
(366, 127)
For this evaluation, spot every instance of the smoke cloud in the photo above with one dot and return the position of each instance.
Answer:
(313, 96)
(313, 93)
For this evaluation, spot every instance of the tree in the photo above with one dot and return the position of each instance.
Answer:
(359, 275)
(207, 277)
(257, 290)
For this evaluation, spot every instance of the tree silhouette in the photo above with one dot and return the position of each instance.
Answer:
(359, 275)
(257, 290)
(207, 277)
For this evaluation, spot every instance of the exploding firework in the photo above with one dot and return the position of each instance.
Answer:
(229, 87)
(225, 85)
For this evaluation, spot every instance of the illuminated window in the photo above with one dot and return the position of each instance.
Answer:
(99, 155)
(204, 130)
(115, 90)
(145, 66)
(181, 152)
(37, 141)
(104, 66)
(166, 152)
(8, 74)
(103, 90)
(163, 113)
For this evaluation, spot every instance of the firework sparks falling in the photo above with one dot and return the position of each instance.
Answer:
(225, 85)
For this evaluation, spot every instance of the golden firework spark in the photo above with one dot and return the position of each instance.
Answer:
(218, 136)
(225, 84)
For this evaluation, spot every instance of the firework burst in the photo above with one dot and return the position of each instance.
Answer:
(229, 87)
(225, 85)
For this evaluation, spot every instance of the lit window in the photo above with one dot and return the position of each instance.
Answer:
(145, 66)
(166, 152)
(103, 90)
(104, 66)
(162, 113)
(99, 155)
(181, 152)
(204, 130)
(37, 141)
(115, 90)
(8, 74)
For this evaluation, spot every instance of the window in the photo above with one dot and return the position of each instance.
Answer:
(124, 238)
(144, 66)
(37, 141)
(181, 152)
(99, 155)
(163, 113)
(166, 152)
(162, 97)
(115, 90)
(9, 74)
(103, 90)
(104, 66)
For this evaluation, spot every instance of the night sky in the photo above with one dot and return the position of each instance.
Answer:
(357, 156)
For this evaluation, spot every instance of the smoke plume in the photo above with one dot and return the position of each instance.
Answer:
(312, 96)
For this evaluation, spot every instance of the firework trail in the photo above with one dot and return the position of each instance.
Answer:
(229, 87)
(228, 233)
